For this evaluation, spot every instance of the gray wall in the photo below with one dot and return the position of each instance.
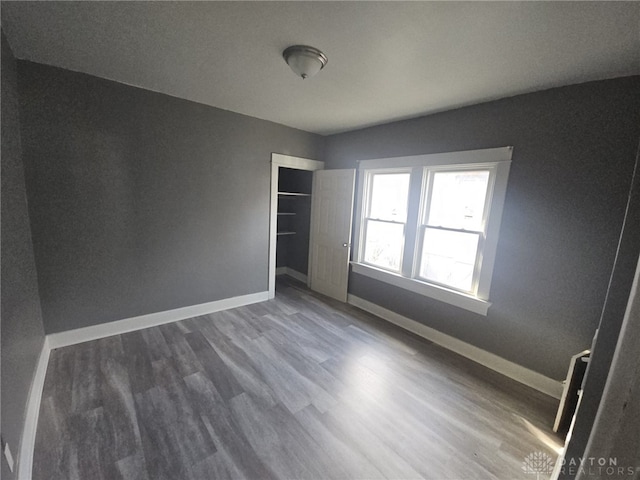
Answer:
(141, 202)
(20, 316)
(574, 151)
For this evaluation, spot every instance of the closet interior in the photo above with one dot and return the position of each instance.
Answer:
(294, 220)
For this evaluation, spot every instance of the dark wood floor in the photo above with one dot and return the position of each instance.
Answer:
(299, 387)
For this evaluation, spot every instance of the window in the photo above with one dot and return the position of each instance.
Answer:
(452, 231)
(385, 219)
(430, 223)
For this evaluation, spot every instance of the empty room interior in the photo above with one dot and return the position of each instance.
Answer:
(320, 240)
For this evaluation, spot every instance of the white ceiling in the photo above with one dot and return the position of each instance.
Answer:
(387, 60)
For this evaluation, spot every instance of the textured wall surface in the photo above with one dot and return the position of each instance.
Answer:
(141, 202)
(20, 317)
(574, 151)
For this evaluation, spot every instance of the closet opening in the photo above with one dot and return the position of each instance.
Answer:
(293, 223)
(291, 193)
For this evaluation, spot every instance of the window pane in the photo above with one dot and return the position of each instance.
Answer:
(383, 244)
(457, 199)
(449, 257)
(389, 196)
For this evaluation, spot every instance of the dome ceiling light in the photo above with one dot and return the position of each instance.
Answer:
(305, 61)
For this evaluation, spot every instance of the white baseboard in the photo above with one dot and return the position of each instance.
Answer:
(292, 273)
(95, 332)
(297, 275)
(28, 442)
(494, 362)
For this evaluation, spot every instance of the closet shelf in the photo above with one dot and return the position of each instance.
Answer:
(294, 194)
(286, 233)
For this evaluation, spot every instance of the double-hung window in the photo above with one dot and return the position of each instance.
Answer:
(385, 218)
(430, 223)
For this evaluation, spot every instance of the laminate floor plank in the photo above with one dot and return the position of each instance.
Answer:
(281, 442)
(240, 364)
(293, 389)
(214, 366)
(299, 387)
(345, 424)
(55, 459)
(85, 391)
(59, 378)
(94, 445)
(137, 360)
(119, 409)
(173, 435)
(156, 343)
(234, 451)
(395, 426)
(335, 447)
(133, 467)
(289, 340)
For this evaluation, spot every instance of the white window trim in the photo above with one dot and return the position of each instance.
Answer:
(431, 290)
(498, 159)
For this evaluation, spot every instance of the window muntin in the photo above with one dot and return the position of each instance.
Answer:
(385, 219)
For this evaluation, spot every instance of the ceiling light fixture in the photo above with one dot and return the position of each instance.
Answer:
(305, 61)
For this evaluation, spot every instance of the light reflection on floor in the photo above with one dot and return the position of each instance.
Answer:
(368, 377)
(554, 444)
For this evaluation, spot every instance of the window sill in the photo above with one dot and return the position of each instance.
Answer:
(461, 300)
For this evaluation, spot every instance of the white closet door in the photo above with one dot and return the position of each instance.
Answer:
(330, 244)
